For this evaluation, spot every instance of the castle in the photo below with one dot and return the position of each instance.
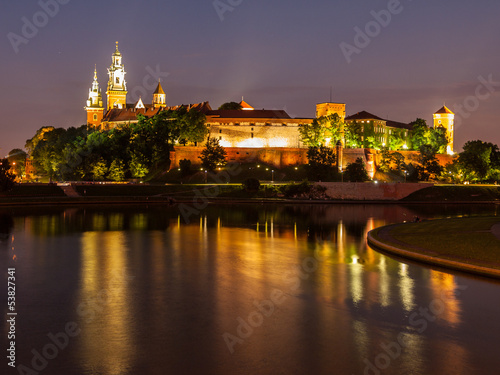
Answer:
(247, 132)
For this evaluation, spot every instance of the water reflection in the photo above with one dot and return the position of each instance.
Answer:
(156, 294)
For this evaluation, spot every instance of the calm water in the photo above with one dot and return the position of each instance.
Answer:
(238, 290)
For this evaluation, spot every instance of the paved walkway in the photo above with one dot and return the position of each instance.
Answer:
(69, 190)
(495, 230)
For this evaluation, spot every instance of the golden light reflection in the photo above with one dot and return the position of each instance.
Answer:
(406, 286)
(384, 284)
(105, 306)
(443, 288)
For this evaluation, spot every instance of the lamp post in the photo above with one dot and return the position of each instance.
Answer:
(272, 176)
(205, 176)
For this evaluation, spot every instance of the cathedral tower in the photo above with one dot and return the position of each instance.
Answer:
(159, 97)
(446, 118)
(94, 108)
(117, 87)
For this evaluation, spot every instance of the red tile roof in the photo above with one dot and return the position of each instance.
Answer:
(129, 113)
(257, 113)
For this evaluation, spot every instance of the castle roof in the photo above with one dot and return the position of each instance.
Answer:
(257, 113)
(130, 112)
(363, 115)
(246, 106)
(444, 110)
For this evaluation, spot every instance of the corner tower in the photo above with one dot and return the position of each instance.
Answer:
(159, 97)
(117, 87)
(446, 118)
(94, 108)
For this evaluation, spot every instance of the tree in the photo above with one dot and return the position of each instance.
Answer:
(117, 170)
(322, 131)
(419, 134)
(230, 106)
(321, 156)
(99, 168)
(353, 132)
(356, 172)
(138, 167)
(213, 155)
(17, 159)
(438, 139)
(6, 176)
(429, 167)
(321, 163)
(475, 159)
(313, 135)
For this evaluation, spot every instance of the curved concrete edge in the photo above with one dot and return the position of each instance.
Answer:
(446, 263)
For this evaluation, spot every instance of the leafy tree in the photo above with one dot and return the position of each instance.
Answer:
(7, 178)
(397, 139)
(213, 155)
(356, 172)
(429, 167)
(321, 156)
(386, 161)
(138, 167)
(321, 163)
(419, 134)
(117, 170)
(313, 135)
(17, 159)
(438, 139)
(353, 132)
(99, 168)
(475, 159)
(230, 106)
(323, 130)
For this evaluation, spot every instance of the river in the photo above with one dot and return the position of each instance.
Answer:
(237, 289)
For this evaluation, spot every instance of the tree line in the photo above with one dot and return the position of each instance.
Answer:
(131, 150)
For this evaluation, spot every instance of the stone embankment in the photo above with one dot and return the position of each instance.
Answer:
(371, 191)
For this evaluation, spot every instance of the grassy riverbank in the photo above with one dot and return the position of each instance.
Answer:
(466, 244)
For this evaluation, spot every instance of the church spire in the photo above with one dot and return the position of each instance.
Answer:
(94, 108)
(117, 86)
(159, 97)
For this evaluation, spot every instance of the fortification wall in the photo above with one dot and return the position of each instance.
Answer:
(371, 190)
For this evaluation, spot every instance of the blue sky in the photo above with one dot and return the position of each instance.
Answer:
(277, 54)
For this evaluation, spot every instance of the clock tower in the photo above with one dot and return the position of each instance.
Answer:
(117, 86)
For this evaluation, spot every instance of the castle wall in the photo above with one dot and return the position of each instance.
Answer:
(258, 133)
(277, 157)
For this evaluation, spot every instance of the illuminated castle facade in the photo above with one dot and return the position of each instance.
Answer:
(244, 128)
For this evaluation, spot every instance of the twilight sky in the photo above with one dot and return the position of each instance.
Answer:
(281, 54)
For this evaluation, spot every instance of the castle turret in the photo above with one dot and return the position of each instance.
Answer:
(446, 118)
(159, 97)
(94, 108)
(117, 86)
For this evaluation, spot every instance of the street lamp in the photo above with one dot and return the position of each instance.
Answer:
(205, 176)
(272, 176)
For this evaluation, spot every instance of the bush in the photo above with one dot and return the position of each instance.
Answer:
(251, 184)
